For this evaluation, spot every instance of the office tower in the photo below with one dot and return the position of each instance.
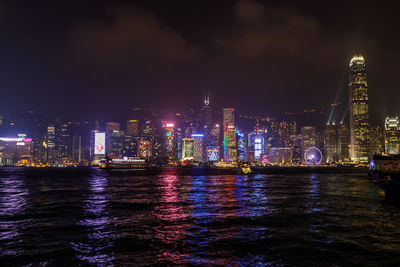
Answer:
(392, 135)
(117, 145)
(130, 146)
(198, 147)
(343, 142)
(205, 116)
(377, 140)
(51, 150)
(285, 131)
(187, 148)
(215, 135)
(39, 148)
(63, 141)
(178, 143)
(132, 128)
(256, 146)
(169, 141)
(297, 156)
(229, 116)
(240, 145)
(331, 143)
(308, 139)
(97, 146)
(144, 149)
(147, 131)
(359, 118)
(76, 149)
(230, 149)
(110, 128)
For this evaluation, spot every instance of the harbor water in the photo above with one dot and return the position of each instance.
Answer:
(87, 216)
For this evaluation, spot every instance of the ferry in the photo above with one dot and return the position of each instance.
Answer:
(385, 170)
(224, 165)
(125, 163)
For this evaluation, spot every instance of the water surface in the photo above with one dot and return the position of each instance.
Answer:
(115, 217)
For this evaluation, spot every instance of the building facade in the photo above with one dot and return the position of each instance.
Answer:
(359, 116)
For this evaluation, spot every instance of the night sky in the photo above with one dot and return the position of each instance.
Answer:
(94, 58)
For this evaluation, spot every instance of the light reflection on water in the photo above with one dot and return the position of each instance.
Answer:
(13, 196)
(118, 218)
(100, 235)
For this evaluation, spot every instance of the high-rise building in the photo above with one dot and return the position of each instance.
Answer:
(169, 141)
(229, 116)
(76, 149)
(215, 135)
(198, 147)
(187, 148)
(343, 142)
(285, 131)
(392, 135)
(144, 149)
(256, 146)
(51, 150)
(205, 116)
(230, 149)
(308, 138)
(63, 141)
(359, 118)
(110, 128)
(331, 143)
(132, 128)
(377, 142)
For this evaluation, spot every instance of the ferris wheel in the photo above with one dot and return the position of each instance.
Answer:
(313, 156)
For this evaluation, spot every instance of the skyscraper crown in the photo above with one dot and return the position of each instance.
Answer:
(357, 59)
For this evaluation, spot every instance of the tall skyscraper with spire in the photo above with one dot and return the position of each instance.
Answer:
(206, 115)
(359, 116)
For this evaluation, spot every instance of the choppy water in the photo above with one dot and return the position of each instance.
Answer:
(89, 216)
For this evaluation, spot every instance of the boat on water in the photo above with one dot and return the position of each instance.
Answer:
(224, 165)
(245, 169)
(385, 170)
(125, 163)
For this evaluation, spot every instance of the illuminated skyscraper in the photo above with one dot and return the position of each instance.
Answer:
(308, 138)
(205, 120)
(359, 118)
(256, 146)
(110, 128)
(63, 141)
(330, 143)
(76, 151)
(198, 147)
(392, 135)
(377, 143)
(144, 149)
(51, 151)
(187, 149)
(132, 128)
(343, 142)
(169, 143)
(230, 150)
(229, 116)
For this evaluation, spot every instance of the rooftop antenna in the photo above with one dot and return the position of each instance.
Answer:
(207, 99)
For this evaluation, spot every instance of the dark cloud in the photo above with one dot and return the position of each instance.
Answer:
(131, 33)
(259, 56)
